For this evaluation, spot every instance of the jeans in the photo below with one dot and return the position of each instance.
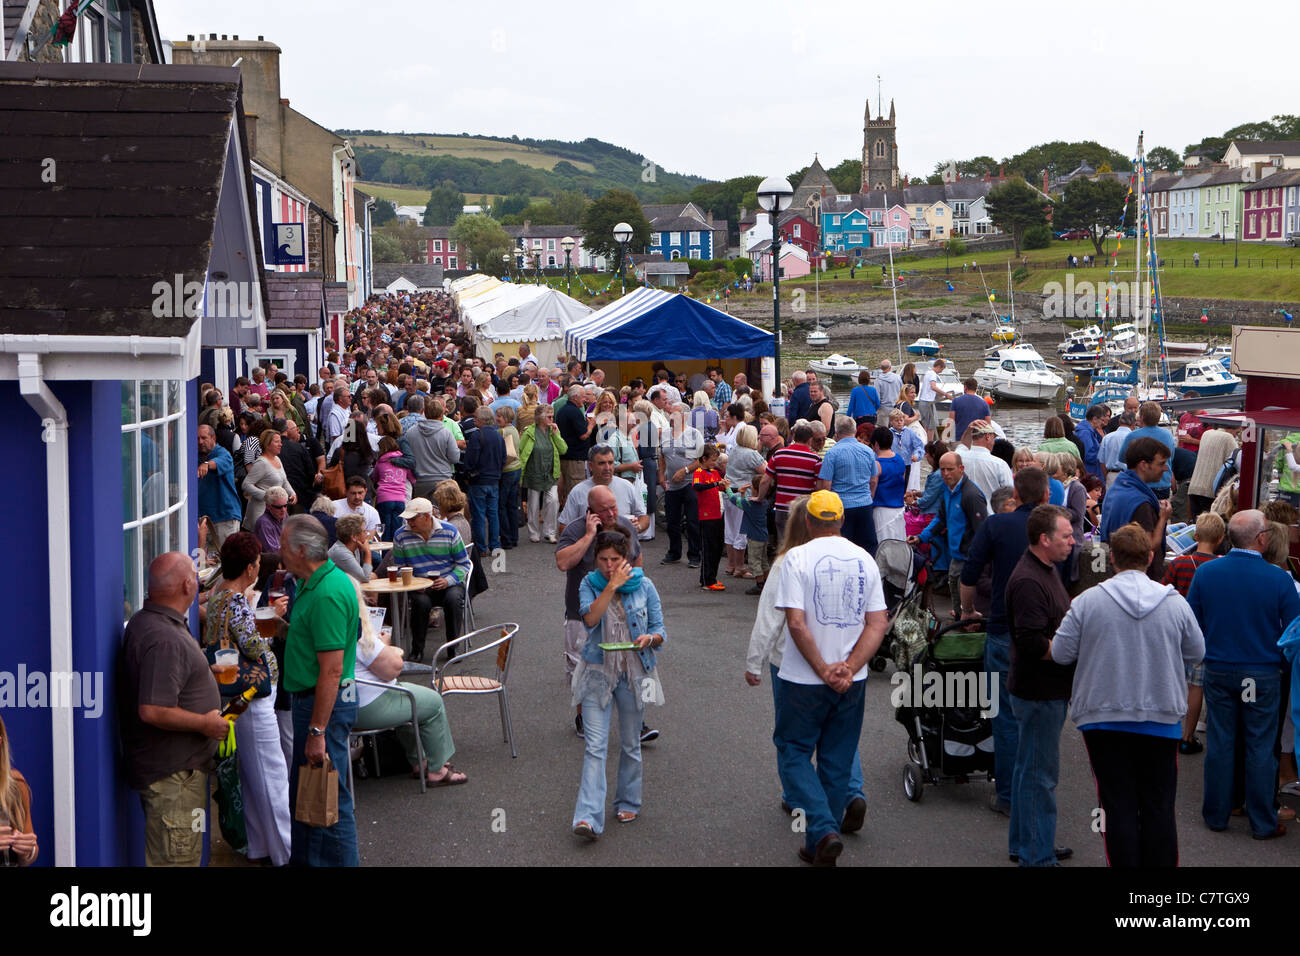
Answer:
(814, 720)
(595, 728)
(336, 845)
(680, 508)
(855, 773)
(508, 508)
(390, 513)
(650, 474)
(1006, 732)
(1227, 716)
(860, 527)
(1137, 777)
(484, 517)
(1032, 835)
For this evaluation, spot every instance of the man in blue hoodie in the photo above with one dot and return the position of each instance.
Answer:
(1243, 605)
(485, 455)
(1131, 498)
(1090, 436)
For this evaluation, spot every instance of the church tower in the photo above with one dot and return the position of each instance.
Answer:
(879, 151)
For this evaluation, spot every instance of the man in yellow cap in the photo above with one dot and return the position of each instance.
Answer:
(835, 618)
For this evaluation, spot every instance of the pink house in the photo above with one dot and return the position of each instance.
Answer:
(1263, 203)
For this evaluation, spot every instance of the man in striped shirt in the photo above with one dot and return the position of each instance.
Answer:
(435, 550)
(794, 469)
(721, 390)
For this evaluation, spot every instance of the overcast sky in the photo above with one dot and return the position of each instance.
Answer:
(689, 85)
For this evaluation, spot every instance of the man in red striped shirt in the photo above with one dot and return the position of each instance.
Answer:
(794, 469)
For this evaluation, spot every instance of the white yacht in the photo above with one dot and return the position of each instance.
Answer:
(836, 364)
(1125, 342)
(1018, 373)
(818, 338)
(1090, 337)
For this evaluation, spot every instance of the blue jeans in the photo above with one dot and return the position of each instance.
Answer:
(508, 507)
(860, 527)
(1006, 733)
(855, 773)
(390, 513)
(325, 846)
(1032, 835)
(1227, 717)
(813, 719)
(595, 730)
(484, 520)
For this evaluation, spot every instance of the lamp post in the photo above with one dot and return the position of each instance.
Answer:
(567, 245)
(1236, 236)
(622, 233)
(775, 195)
(505, 260)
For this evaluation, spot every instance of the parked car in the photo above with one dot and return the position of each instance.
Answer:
(1293, 239)
(1073, 234)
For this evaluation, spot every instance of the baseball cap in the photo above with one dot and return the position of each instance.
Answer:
(417, 506)
(825, 505)
(983, 428)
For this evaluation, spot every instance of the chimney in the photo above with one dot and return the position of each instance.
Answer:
(743, 212)
(1045, 183)
(250, 124)
(710, 219)
(987, 177)
(284, 102)
(1001, 172)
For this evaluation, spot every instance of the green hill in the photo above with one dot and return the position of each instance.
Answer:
(478, 165)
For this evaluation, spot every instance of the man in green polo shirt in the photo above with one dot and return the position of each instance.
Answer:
(319, 662)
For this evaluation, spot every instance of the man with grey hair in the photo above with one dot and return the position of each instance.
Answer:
(930, 393)
(888, 386)
(797, 405)
(576, 429)
(485, 456)
(319, 669)
(337, 419)
(269, 527)
(851, 471)
(1243, 604)
(818, 440)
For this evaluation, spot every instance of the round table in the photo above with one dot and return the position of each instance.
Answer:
(398, 602)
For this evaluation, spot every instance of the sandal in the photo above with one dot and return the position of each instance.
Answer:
(451, 777)
(625, 816)
(746, 574)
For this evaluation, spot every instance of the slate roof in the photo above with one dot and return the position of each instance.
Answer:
(336, 297)
(296, 300)
(1287, 147)
(535, 231)
(1289, 177)
(140, 152)
(676, 268)
(424, 275)
(12, 12)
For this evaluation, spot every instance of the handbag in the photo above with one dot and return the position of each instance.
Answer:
(318, 795)
(334, 485)
(252, 673)
(230, 804)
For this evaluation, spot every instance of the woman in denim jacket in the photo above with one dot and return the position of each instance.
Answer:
(604, 678)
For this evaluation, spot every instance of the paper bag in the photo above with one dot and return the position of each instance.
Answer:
(318, 795)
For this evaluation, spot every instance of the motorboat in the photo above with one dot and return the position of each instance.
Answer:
(1221, 354)
(818, 338)
(924, 346)
(1205, 376)
(1019, 373)
(1083, 355)
(1110, 385)
(836, 364)
(1125, 342)
(1091, 337)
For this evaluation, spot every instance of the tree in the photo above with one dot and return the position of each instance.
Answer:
(408, 240)
(445, 204)
(847, 176)
(1162, 157)
(617, 205)
(538, 213)
(570, 205)
(384, 212)
(1014, 207)
(385, 248)
(484, 240)
(1094, 205)
(509, 205)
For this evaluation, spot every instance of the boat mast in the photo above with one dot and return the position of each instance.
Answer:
(1144, 228)
(893, 281)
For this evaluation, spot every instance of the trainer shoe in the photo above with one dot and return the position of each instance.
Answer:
(577, 726)
(1061, 853)
(648, 734)
(715, 586)
(1189, 747)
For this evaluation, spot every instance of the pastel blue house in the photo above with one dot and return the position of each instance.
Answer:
(844, 227)
(1185, 206)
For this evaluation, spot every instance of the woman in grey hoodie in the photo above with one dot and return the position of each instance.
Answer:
(1132, 639)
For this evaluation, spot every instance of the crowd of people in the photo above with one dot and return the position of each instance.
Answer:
(408, 438)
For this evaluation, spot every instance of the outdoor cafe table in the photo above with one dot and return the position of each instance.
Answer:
(398, 601)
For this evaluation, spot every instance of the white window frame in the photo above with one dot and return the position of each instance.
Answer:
(798, 230)
(835, 220)
(171, 388)
(437, 245)
(695, 253)
(695, 238)
(550, 245)
(654, 239)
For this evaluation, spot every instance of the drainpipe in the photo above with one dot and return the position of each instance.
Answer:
(54, 433)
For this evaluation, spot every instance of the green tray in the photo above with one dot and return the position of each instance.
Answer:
(626, 646)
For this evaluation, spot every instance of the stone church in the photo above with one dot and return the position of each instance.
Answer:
(879, 151)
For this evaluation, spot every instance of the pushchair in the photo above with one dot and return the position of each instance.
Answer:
(903, 575)
(944, 708)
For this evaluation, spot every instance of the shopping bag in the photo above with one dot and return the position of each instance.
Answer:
(318, 795)
(230, 804)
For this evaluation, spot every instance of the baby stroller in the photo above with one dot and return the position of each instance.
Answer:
(943, 706)
(903, 574)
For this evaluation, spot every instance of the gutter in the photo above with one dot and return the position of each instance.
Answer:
(133, 345)
(54, 425)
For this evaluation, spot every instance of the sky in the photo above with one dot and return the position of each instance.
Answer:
(729, 89)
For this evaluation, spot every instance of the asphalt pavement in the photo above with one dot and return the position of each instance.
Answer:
(711, 792)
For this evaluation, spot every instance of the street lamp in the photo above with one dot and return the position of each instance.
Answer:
(775, 195)
(567, 245)
(1236, 235)
(505, 260)
(622, 233)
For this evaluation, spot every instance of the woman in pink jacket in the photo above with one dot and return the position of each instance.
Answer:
(390, 481)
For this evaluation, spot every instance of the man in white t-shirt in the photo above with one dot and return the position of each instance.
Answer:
(930, 392)
(630, 504)
(835, 618)
(355, 504)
